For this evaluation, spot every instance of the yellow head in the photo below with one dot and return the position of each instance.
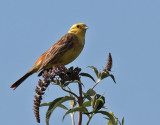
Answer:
(79, 29)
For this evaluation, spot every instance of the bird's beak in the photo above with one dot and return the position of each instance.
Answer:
(85, 27)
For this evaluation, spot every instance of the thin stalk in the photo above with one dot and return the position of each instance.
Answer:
(72, 117)
(90, 119)
(80, 102)
(96, 83)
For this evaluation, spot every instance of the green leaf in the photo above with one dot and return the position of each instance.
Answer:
(55, 104)
(105, 107)
(86, 103)
(107, 118)
(98, 104)
(112, 76)
(109, 122)
(95, 70)
(116, 121)
(123, 121)
(67, 83)
(91, 92)
(108, 115)
(45, 104)
(99, 75)
(87, 75)
(101, 97)
(111, 113)
(63, 107)
(104, 75)
(60, 105)
(81, 109)
(86, 96)
(93, 101)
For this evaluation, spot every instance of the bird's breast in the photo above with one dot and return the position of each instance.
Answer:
(71, 54)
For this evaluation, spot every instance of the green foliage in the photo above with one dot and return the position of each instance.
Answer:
(87, 75)
(90, 92)
(87, 103)
(64, 77)
(95, 70)
(115, 118)
(80, 108)
(57, 102)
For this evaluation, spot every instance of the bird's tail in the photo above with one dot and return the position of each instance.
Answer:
(19, 81)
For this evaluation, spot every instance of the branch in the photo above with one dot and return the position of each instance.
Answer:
(80, 102)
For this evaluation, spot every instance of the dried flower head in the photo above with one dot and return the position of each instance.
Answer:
(42, 85)
(109, 64)
(60, 74)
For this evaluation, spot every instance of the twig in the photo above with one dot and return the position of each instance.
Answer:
(80, 102)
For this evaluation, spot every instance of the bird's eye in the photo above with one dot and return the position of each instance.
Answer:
(78, 26)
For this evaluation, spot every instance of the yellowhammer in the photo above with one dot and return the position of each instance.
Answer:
(63, 52)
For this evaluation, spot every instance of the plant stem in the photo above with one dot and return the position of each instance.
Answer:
(95, 84)
(80, 102)
(90, 119)
(72, 116)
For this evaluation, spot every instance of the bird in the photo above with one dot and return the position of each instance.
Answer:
(63, 52)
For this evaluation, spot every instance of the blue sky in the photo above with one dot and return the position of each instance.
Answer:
(128, 29)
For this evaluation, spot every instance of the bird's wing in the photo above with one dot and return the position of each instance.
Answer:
(60, 47)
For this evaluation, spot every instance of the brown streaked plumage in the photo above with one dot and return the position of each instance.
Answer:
(63, 52)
